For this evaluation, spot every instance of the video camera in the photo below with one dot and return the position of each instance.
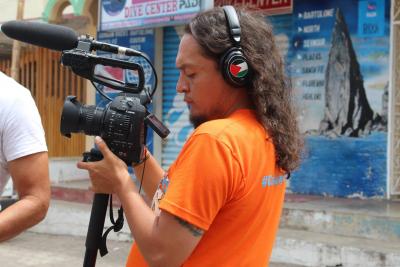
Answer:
(122, 123)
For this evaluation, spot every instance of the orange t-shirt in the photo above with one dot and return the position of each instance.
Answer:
(225, 181)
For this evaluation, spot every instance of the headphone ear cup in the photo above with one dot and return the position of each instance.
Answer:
(234, 67)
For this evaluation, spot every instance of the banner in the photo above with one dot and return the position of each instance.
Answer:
(271, 7)
(119, 14)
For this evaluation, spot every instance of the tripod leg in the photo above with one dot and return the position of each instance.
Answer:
(95, 229)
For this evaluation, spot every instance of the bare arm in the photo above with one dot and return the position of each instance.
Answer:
(30, 176)
(152, 175)
(163, 240)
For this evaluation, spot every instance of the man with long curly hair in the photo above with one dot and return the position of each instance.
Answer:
(220, 202)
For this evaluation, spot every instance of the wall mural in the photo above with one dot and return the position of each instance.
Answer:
(339, 69)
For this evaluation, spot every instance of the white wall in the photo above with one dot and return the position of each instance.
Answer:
(32, 11)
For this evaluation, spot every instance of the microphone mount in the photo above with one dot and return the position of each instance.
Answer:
(83, 63)
(87, 42)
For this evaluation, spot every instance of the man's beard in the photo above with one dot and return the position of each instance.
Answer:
(197, 120)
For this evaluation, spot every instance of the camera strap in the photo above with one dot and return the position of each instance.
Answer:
(6, 202)
(116, 226)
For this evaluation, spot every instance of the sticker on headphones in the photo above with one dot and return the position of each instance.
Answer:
(239, 68)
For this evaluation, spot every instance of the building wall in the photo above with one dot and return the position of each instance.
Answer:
(394, 106)
(33, 9)
(339, 160)
(337, 55)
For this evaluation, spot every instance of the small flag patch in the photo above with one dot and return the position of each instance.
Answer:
(239, 69)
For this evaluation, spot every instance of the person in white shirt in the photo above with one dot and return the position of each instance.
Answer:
(23, 158)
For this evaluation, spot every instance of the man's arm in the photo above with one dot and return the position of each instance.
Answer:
(30, 176)
(163, 240)
(151, 176)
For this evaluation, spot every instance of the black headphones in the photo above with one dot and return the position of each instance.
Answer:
(233, 63)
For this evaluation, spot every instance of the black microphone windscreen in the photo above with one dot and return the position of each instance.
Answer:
(51, 36)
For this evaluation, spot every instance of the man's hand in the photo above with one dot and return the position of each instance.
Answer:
(108, 175)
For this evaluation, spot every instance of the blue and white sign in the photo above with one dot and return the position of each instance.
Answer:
(146, 13)
(333, 44)
(371, 18)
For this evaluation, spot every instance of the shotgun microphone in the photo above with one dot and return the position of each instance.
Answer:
(57, 37)
(50, 36)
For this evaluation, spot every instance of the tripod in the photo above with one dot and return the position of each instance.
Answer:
(97, 217)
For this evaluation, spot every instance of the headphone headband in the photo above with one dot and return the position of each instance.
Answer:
(233, 23)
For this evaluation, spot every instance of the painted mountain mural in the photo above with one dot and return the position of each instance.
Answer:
(347, 111)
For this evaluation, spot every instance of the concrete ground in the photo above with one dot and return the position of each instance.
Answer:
(44, 250)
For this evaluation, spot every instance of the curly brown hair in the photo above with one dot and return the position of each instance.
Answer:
(269, 88)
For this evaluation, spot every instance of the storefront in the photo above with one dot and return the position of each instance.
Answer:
(337, 58)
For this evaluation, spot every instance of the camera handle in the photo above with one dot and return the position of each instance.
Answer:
(97, 217)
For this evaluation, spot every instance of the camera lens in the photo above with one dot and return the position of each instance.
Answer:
(76, 117)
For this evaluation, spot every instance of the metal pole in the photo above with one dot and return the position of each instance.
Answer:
(95, 229)
(16, 50)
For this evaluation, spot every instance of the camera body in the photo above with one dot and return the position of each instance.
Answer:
(120, 123)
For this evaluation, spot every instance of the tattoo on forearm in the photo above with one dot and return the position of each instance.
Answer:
(193, 229)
